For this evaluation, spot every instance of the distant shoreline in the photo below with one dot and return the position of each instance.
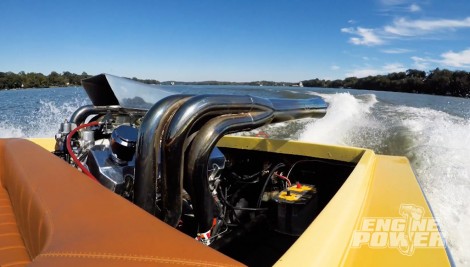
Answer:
(435, 82)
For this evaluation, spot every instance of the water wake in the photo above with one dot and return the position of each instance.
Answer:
(346, 118)
(437, 144)
(441, 159)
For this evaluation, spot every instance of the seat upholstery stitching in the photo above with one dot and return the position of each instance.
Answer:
(8, 219)
(22, 191)
(45, 214)
(11, 247)
(132, 257)
(9, 234)
(19, 263)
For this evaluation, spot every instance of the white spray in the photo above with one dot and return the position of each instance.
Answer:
(44, 122)
(437, 144)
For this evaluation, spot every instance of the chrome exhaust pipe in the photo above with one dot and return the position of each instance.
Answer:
(165, 135)
(293, 109)
(198, 157)
(209, 134)
(188, 119)
(148, 151)
(80, 115)
(83, 112)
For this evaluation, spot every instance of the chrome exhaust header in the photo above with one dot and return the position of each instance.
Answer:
(148, 152)
(198, 156)
(82, 113)
(167, 131)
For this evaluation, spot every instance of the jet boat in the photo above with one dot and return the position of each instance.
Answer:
(145, 177)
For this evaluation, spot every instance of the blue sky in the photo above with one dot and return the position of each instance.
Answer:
(234, 40)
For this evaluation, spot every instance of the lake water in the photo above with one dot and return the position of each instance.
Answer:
(432, 131)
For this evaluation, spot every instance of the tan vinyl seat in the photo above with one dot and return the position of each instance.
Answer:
(53, 215)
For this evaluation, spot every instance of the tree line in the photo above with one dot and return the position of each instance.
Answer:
(10, 80)
(435, 82)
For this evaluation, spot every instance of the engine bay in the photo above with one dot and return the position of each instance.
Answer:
(259, 202)
(159, 150)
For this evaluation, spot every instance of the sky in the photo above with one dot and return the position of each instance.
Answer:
(234, 40)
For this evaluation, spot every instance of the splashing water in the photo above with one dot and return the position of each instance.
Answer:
(43, 122)
(437, 144)
(345, 115)
(441, 159)
(8, 130)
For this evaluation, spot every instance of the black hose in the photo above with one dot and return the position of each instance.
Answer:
(191, 117)
(239, 232)
(198, 157)
(271, 173)
(225, 201)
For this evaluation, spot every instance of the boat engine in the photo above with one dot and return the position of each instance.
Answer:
(165, 160)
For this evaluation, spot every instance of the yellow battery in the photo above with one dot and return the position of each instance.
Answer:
(297, 206)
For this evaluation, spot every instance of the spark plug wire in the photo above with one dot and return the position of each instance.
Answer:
(72, 154)
(283, 178)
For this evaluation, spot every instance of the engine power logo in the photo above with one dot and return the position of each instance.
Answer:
(407, 233)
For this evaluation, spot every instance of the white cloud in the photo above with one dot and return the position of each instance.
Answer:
(368, 71)
(400, 6)
(457, 59)
(405, 27)
(360, 73)
(396, 51)
(366, 37)
(335, 67)
(421, 63)
(394, 67)
(414, 8)
(449, 59)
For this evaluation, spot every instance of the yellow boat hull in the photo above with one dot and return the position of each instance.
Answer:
(370, 219)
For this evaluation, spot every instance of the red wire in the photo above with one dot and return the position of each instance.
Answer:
(284, 178)
(262, 134)
(69, 148)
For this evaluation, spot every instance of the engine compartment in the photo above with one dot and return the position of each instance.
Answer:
(159, 151)
(261, 201)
